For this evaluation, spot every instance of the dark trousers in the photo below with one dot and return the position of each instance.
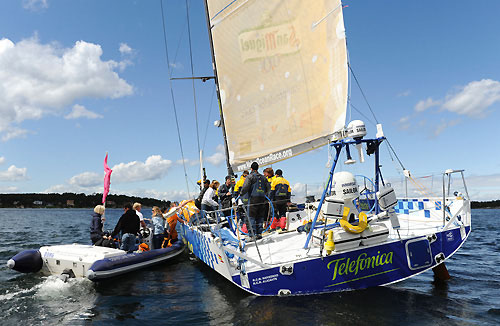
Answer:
(157, 240)
(280, 207)
(94, 237)
(258, 213)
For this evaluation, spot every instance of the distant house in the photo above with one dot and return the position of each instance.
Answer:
(38, 202)
(70, 203)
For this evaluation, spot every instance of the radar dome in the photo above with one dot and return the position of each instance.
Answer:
(356, 129)
(344, 186)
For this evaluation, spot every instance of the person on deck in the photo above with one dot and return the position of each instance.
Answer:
(206, 185)
(280, 194)
(224, 193)
(158, 227)
(257, 187)
(208, 204)
(243, 198)
(239, 184)
(128, 224)
(96, 224)
(269, 174)
(137, 208)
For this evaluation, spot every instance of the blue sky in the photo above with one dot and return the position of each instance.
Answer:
(82, 78)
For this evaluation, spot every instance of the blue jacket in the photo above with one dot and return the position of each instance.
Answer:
(96, 224)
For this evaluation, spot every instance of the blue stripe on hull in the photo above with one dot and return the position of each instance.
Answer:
(359, 269)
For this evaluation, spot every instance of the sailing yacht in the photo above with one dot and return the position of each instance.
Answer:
(288, 59)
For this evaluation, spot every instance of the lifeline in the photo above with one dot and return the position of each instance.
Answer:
(361, 263)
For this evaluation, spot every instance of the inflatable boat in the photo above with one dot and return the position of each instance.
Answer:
(86, 261)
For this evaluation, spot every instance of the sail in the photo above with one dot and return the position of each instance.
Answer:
(282, 75)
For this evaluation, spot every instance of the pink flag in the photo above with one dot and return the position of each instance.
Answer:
(107, 179)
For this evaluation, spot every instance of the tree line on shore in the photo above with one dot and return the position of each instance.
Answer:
(485, 204)
(72, 200)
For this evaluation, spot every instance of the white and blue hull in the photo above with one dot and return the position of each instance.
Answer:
(283, 267)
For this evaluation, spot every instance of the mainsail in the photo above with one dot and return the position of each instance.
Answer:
(282, 75)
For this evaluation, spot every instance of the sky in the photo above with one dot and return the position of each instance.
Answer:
(79, 79)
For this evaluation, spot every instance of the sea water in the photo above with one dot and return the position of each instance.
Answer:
(185, 291)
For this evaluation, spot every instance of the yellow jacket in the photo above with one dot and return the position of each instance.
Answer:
(239, 184)
(280, 188)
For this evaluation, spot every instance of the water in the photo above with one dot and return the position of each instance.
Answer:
(186, 292)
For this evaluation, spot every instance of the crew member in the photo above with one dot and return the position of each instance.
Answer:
(224, 193)
(239, 184)
(280, 194)
(128, 224)
(257, 187)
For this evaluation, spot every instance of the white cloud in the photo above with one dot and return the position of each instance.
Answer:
(404, 94)
(188, 162)
(474, 98)
(125, 49)
(300, 190)
(79, 111)
(13, 173)
(2, 160)
(425, 104)
(9, 189)
(35, 5)
(443, 125)
(86, 179)
(155, 167)
(13, 132)
(172, 195)
(218, 157)
(39, 79)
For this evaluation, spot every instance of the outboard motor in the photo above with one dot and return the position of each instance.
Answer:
(147, 237)
(28, 261)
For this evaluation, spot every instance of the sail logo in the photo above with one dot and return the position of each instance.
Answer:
(269, 41)
(348, 267)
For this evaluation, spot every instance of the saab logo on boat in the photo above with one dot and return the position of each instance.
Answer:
(348, 267)
(449, 236)
(268, 41)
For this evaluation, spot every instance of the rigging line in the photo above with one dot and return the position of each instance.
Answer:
(179, 44)
(361, 90)
(173, 99)
(362, 114)
(369, 106)
(400, 163)
(208, 119)
(192, 75)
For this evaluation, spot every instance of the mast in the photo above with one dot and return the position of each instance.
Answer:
(221, 114)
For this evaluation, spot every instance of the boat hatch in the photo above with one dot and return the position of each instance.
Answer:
(418, 252)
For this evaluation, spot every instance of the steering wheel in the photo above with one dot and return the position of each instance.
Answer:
(368, 193)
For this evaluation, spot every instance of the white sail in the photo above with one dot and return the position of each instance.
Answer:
(282, 72)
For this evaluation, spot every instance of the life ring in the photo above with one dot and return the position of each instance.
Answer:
(348, 227)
